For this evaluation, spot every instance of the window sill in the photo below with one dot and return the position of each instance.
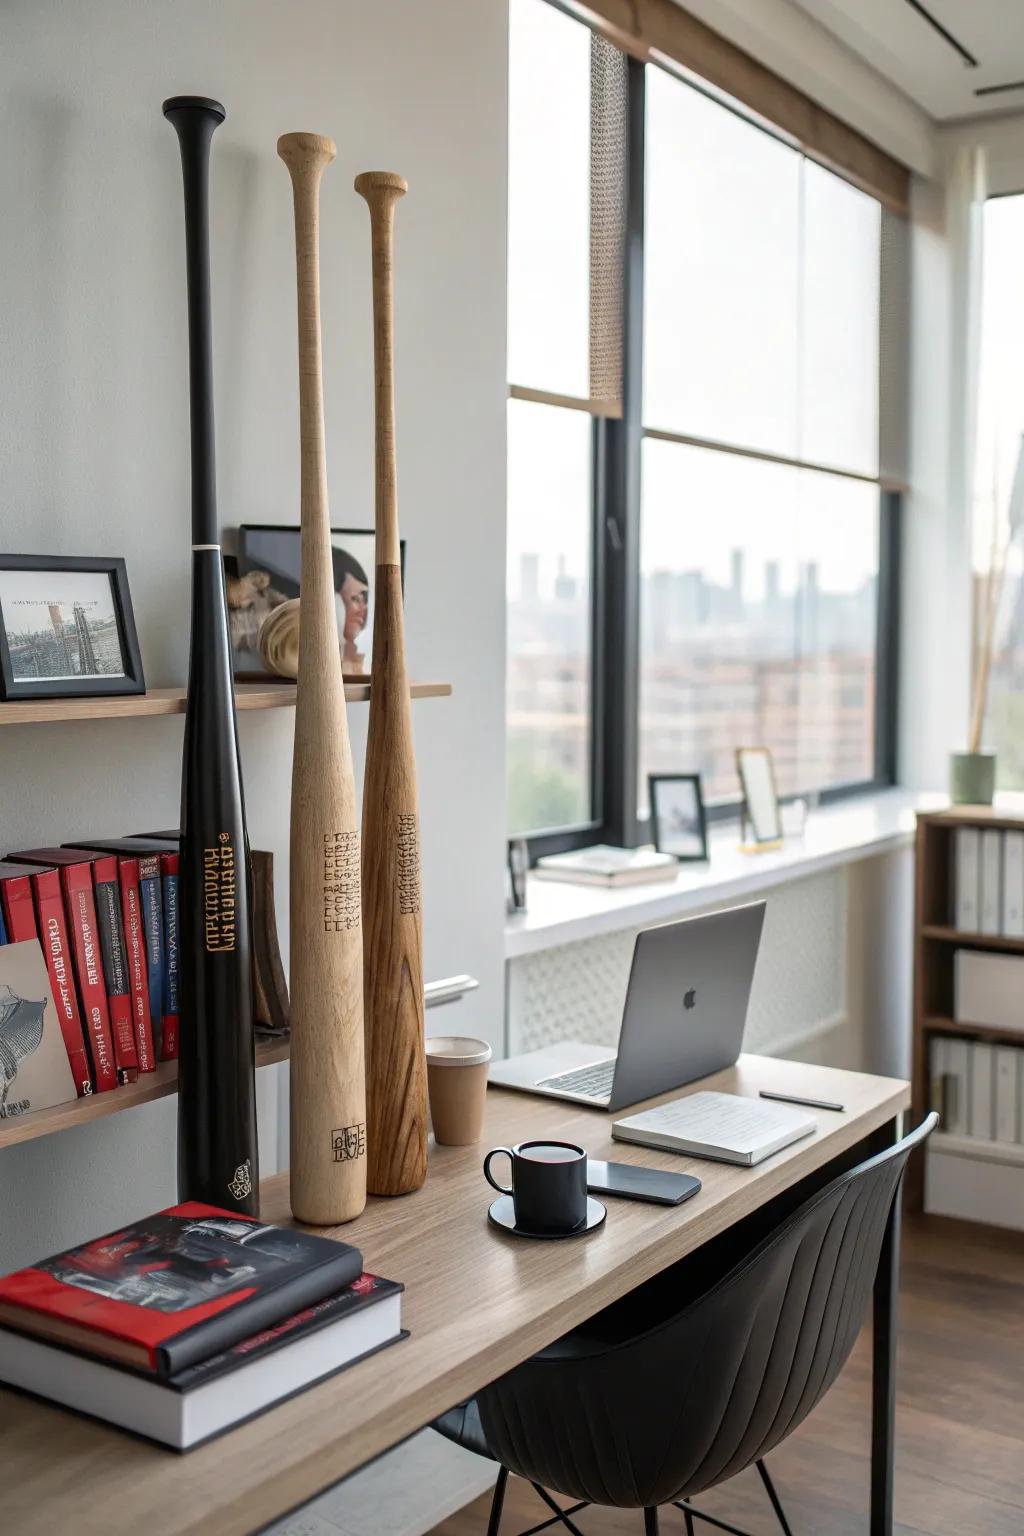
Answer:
(857, 828)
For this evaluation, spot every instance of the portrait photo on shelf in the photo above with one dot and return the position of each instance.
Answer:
(762, 818)
(66, 628)
(267, 572)
(678, 819)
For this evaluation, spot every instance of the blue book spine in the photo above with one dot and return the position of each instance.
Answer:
(171, 939)
(3, 929)
(153, 929)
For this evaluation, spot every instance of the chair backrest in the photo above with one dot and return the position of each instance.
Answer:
(657, 1402)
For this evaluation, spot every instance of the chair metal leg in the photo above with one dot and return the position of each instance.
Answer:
(562, 1514)
(699, 1514)
(498, 1502)
(776, 1505)
(650, 1522)
(883, 1376)
(689, 1523)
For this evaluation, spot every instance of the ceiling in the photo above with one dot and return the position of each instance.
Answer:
(902, 44)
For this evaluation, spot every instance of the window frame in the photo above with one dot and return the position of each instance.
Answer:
(616, 531)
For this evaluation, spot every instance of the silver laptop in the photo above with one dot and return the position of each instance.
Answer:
(684, 1016)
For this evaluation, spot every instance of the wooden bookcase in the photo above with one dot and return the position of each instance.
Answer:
(936, 940)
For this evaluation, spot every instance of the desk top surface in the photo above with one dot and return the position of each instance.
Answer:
(477, 1302)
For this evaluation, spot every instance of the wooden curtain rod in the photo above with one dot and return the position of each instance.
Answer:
(660, 31)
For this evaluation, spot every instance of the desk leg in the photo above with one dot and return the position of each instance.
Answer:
(883, 1375)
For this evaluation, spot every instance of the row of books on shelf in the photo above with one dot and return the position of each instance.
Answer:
(978, 1089)
(89, 972)
(190, 1321)
(988, 882)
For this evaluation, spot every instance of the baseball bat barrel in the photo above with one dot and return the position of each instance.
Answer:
(217, 1145)
(395, 1063)
(328, 1089)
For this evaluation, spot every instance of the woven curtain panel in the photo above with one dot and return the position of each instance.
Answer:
(608, 171)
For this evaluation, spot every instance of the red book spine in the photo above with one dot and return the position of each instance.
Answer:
(53, 935)
(77, 882)
(107, 893)
(19, 910)
(138, 974)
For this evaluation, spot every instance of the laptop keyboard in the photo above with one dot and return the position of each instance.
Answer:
(594, 1081)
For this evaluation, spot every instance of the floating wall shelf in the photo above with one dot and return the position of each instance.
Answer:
(171, 701)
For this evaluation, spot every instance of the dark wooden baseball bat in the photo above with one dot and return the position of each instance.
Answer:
(328, 1089)
(217, 1150)
(396, 1070)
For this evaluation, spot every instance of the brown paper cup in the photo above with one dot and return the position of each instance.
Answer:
(457, 1079)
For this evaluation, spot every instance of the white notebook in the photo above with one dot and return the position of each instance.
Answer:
(721, 1126)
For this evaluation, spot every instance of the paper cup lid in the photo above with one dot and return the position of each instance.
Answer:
(457, 1051)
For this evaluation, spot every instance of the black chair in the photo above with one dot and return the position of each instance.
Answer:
(701, 1371)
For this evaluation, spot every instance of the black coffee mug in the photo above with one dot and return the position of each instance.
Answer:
(549, 1184)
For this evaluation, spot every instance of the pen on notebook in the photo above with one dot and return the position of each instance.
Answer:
(792, 1098)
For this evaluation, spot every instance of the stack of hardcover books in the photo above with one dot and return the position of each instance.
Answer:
(191, 1321)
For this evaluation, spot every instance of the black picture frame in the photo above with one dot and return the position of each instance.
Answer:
(91, 685)
(659, 828)
(246, 662)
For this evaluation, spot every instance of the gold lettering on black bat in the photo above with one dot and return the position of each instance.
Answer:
(408, 865)
(220, 896)
(342, 911)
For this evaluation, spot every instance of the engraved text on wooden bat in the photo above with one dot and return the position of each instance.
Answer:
(341, 882)
(408, 865)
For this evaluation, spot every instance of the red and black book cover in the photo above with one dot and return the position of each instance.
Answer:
(115, 965)
(53, 936)
(18, 905)
(135, 950)
(175, 1288)
(76, 883)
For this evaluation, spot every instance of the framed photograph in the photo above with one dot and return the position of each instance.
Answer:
(761, 814)
(678, 821)
(66, 628)
(268, 572)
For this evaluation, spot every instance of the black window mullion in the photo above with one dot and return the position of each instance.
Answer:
(619, 519)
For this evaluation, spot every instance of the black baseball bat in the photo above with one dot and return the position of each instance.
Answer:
(217, 1151)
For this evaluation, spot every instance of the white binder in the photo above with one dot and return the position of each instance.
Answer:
(982, 1091)
(1013, 885)
(991, 881)
(966, 872)
(1007, 1093)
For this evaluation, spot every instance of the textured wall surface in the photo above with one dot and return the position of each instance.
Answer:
(94, 426)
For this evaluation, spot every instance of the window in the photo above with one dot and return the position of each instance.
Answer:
(1000, 428)
(700, 539)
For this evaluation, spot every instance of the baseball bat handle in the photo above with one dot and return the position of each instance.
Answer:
(381, 190)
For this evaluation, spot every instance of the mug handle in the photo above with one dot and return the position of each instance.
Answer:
(495, 1152)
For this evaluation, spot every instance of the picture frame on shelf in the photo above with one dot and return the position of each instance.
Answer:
(679, 823)
(761, 813)
(67, 629)
(267, 572)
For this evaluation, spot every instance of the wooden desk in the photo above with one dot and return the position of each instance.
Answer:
(477, 1302)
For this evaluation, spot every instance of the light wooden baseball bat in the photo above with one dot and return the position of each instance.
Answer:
(396, 1073)
(328, 1090)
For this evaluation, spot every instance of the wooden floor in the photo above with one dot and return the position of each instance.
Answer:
(959, 1421)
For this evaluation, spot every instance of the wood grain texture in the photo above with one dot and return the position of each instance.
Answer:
(477, 1302)
(171, 701)
(158, 1084)
(271, 1005)
(328, 1093)
(396, 1074)
(959, 1454)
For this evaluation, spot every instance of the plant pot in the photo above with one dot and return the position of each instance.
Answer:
(972, 777)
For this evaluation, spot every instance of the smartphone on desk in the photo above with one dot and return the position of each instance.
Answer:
(631, 1183)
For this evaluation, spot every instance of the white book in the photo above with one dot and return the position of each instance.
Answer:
(1013, 885)
(991, 881)
(724, 1127)
(604, 865)
(967, 864)
(982, 1091)
(957, 1087)
(1007, 1106)
(988, 989)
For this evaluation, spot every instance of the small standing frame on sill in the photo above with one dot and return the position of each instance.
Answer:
(760, 816)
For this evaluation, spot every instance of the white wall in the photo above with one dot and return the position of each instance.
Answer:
(94, 431)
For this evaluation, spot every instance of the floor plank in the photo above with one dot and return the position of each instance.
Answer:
(959, 1425)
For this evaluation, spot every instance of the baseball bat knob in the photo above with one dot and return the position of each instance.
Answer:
(304, 150)
(195, 104)
(374, 184)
